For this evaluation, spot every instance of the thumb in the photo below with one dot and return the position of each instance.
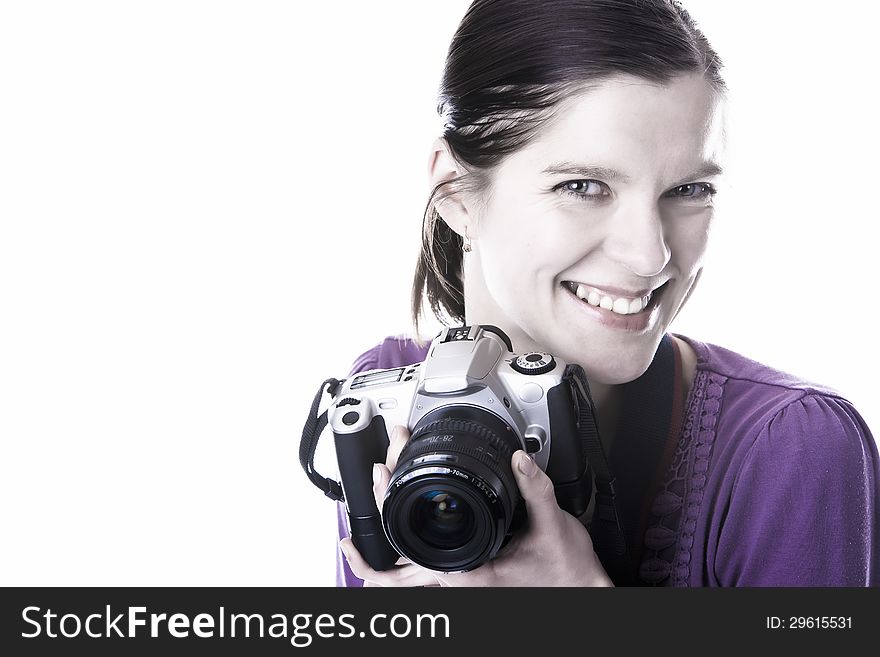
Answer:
(537, 491)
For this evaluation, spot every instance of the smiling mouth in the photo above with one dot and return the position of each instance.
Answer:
(616, 305)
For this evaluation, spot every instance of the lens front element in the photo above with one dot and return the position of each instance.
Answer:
(442, 519)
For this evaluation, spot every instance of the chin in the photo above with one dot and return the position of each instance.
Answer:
(612, 364)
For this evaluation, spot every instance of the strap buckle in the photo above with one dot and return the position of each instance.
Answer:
(334, 490)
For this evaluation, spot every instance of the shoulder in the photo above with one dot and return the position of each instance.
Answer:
(393, 351)
(820, 440)
(767, 422)
(733, 365)
(756, 395)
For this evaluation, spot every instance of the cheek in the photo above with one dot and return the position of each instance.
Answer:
(529, 247)
(688, 242)
(518, 255)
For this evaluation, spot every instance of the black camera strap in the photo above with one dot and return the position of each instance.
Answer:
(606, 527)
(311, 433)
(648, 430)
(626, 478)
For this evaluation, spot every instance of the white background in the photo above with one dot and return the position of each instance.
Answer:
(209, 207)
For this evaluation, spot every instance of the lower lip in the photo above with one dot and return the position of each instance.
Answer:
(637, 322)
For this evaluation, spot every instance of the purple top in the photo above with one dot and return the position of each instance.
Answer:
(774, 481)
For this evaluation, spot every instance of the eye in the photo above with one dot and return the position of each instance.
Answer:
(584, 190)
(693, 192)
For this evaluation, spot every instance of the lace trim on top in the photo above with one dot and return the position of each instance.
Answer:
(670, 533)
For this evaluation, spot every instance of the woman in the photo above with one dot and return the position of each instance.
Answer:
(573, 198)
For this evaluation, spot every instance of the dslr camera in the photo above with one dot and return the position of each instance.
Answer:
(453, 502)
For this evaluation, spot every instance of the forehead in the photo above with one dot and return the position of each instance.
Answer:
(633, 125)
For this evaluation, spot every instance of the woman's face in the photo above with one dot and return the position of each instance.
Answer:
(609, 205)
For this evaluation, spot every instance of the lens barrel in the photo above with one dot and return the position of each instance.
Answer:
(452, 497)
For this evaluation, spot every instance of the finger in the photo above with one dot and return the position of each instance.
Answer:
(404, 575)
(537, 491)
(381, 479)
(399, 438)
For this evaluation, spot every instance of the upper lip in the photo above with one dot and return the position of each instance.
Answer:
(619, 291)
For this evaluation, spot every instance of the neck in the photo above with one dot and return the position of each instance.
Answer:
(606, 398)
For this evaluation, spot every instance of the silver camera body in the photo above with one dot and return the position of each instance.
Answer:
(467, 366)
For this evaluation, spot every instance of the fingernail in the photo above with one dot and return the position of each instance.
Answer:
(527, 465)
(376, 473)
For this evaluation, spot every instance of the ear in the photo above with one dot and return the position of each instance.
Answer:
(441, 168)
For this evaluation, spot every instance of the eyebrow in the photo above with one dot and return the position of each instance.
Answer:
(586, 171)
(706, 170)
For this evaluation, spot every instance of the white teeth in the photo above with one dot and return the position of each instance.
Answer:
(621, 305)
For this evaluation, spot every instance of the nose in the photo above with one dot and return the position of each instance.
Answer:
(636, 240)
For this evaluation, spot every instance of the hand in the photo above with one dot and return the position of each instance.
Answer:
(553, 549)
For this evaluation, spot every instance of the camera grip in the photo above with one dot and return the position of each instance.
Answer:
(568, 468)
(356, 453)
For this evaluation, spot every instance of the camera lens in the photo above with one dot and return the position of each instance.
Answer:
(452, 497)
(442, 519)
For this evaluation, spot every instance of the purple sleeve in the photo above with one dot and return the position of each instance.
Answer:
(369, 360)
(804, 506)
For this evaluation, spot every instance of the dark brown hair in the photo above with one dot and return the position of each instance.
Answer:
(509, 64)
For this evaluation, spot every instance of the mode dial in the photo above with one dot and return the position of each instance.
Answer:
(535, 362)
